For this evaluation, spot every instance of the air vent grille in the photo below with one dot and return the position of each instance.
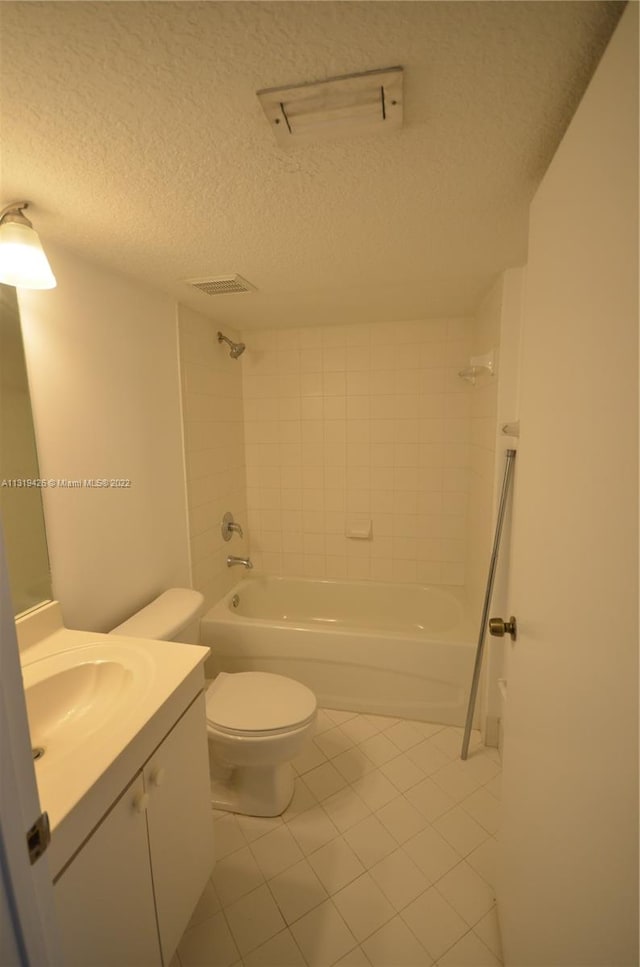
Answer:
(222, 285)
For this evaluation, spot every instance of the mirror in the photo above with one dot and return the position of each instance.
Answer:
(20, 504)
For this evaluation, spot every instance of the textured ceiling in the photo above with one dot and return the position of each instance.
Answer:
(135, 131)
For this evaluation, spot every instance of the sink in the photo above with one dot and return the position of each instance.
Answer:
(98, 706)
(75, 695)
(83, 697)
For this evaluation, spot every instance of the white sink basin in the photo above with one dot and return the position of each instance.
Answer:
(74, 695)
(99, 705)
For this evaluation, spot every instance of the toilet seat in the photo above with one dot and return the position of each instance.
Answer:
(258, 704)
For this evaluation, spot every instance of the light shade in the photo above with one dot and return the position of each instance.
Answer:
(22, 259)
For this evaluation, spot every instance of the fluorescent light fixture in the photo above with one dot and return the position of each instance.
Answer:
(348, 105)
(22, 259)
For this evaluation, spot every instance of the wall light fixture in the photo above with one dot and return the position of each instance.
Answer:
(22, 259)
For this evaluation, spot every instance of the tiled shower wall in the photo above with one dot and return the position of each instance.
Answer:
(214, 450)
(346, 425)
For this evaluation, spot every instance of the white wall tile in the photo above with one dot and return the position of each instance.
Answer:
(362, 411)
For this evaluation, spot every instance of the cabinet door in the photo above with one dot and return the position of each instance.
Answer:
(104, 898)
(180, 823)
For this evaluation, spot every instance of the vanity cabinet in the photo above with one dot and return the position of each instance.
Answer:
(180, 824)
(104, 898)
(126, 896)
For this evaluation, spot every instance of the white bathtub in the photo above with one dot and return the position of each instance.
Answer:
(399, 650)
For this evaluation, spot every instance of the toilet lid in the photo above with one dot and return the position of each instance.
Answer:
(258, 702)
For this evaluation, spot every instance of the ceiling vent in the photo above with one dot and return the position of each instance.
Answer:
(347, 105)
(222, 285)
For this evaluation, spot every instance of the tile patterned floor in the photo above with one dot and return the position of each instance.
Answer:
(383, 859)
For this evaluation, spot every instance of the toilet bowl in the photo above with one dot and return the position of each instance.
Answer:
(257, 722)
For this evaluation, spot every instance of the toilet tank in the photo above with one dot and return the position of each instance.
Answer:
(173, 616)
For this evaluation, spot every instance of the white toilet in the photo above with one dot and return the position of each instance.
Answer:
(257, 722)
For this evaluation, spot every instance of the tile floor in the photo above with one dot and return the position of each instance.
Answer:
(383, 859)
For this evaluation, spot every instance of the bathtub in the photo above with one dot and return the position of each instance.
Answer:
(400, 650)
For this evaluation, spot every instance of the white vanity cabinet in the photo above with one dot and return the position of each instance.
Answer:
(104, 898)
(128, 893)
(179, 823)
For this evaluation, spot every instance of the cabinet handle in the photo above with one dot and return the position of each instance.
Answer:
(141, 801)
(157, 776)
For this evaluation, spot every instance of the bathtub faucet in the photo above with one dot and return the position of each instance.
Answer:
(245, 561)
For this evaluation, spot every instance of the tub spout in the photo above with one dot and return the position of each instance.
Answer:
(245, 561)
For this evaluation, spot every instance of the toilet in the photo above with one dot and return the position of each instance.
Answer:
(257, 722)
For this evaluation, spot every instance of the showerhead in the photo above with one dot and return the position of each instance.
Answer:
(235, 348)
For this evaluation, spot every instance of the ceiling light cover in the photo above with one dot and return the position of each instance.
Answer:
(22, 259)
(347, 105)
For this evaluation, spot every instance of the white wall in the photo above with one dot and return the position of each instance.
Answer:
(214, 449)
(103, 368)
